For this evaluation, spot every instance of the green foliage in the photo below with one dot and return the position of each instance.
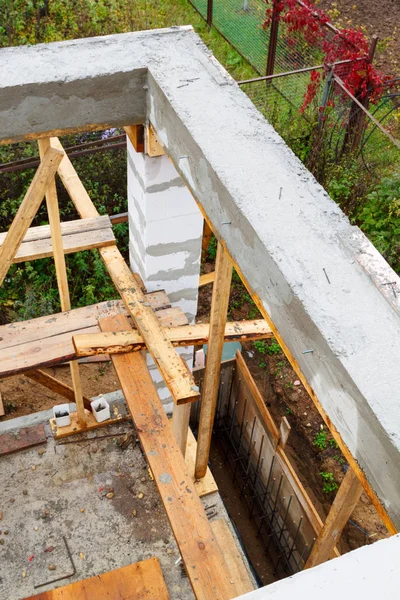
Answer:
(379, 218)
(333, 444)
(212, 248)
(343, 180)
(263, 347)
(274, 348)
(320, 440)
(330, 484)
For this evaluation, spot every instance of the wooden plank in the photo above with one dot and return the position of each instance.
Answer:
(28, 209)
(219, 309)
(71, 243)
(152, 144)
(207, 484)
(255, 393)
(26, 437)
(56, 386)
(74, 185)
(172, 367)
(232, 556)
(67, 228)
(61, 270)
(200, 553)
(141, 581)
(180, 425)
(2, 411)
(190, 335)
(91, 423)
(206, 279)
(342, 507)
(207, 234)
(135, 134)
(47, 341)
(284, 431)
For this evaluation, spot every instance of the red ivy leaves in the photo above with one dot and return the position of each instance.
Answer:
(359, 76)
(312, 89)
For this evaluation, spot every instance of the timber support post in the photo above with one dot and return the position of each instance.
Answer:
(343, 505)
(219, 309)
(61, 273)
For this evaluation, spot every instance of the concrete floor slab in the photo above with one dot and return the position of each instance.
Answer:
(60, 489)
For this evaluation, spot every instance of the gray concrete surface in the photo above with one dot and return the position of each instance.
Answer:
(60, 489)
(370, 572)
(280, 226)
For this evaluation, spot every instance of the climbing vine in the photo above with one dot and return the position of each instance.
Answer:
(360, 76)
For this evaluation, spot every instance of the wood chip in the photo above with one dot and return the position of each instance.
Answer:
(82, 510)
(110, 495)
(134, 512)
(140, 495)
(52, 567)
(81, 555)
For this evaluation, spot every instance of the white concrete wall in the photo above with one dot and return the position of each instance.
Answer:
(370, 573)
(165, 234)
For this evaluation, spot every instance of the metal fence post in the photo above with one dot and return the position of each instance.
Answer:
(209, 12)
(356, 122)
(273, 39)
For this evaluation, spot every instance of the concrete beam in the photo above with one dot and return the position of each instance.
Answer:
(305, 264)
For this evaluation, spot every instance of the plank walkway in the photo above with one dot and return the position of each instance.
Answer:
(200, 552)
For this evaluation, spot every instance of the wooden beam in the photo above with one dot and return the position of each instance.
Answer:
(56, 386)
(61, 270)
(74, 186)
(233, 558)
(207, 485)
(135, 134)
(284, 431)
(207, 235)
(343, 505)
(180, 425)
(47, 341)
(219, 309)
(171, 366)
(74, 427)
(201, 555)
(28, 209)
(190, 335)
(206, 279)
(2, 411)
(152, 145)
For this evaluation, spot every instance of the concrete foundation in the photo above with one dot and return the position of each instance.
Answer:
(165, 234)
(60, 489)
(297, 251)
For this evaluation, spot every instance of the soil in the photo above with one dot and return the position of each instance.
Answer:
(22, 396)
(379, 17)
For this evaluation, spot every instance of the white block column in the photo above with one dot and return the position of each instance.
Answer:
(165, 234)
